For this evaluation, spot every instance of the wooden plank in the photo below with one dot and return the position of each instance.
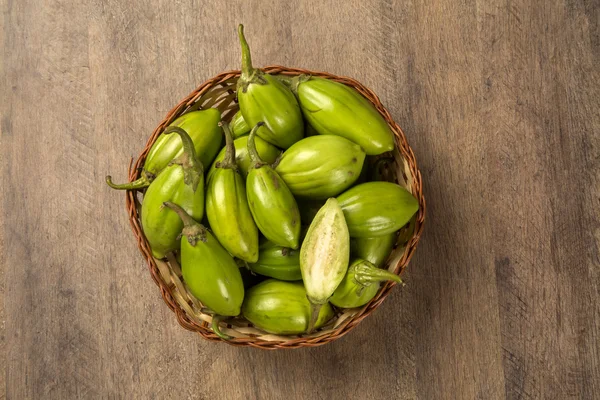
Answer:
(4, 129)
(500, 102)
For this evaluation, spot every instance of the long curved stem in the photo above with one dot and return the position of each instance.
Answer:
(256, 161)
(186, 141)
(193, 170)
(187, 220)
(192, 229)
(216, 329)
(229, 159)
(315, 309)
(138, 184)
(247, 68)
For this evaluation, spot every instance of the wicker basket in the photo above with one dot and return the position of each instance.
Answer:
(219, 92)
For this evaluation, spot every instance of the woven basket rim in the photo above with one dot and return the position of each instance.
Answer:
(346, 326)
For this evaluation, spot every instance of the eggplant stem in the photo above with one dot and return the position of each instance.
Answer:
(229, 159)
(277, 161)
(315, 309)
(256, 161)
(193, 170)
(247, 68)
(191, 229)
(217, 330)
(187, 220)
(138, 184)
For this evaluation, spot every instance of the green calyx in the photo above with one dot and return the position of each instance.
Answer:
(191, 229)
(366, 273)
(255, 160)
(293, 82)
(249, 73)
(193, 171)
(229, 159)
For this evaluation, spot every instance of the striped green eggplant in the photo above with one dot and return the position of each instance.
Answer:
(210, 273)
(263, 97)
(273, 206)
(281, 308)
(238, 125)
(202, 126)
(377, 208)
(182, 183)
(321, 166)
(375, 250)
(227, 207)
(333, 108)
(277, 262)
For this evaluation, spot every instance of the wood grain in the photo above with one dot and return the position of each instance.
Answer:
(500, 101)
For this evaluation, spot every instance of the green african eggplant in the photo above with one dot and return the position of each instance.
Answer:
(181, 182)
(267, 152)
(238, 125)
(227, 207)
(360, 284)
(324, 256)
(202, 126)
(321, 166)
(272, 204)
(277, 262)
(377, 208)
(210, 273)
(263, 97)
(281, 308)
(333, 108)
(375, 250)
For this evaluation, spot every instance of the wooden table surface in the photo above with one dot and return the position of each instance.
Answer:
(500, 101)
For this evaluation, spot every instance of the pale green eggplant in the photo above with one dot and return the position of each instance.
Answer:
(263, 98)
(324, 255)
(202, 127)
(238, 126)
(273, 206)
(321, 166)
(375, 250)
(333, 108)
(377, 208)
(227, 207)
(282, 308)
(182, 182)
(210, 273)
(277, 262)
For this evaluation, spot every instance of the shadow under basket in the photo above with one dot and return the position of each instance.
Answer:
(219, 92)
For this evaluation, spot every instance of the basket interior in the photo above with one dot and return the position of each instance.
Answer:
(219, 92)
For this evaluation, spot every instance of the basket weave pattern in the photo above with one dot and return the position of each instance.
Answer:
(219, 92)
